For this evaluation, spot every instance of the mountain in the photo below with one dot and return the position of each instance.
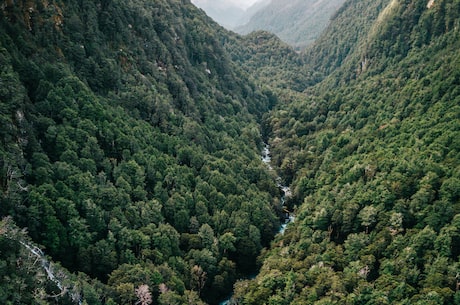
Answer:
(226, 14)
(130, 156)
(297, 22)
(372, 156)
(230, 14)
(250, 11)
(130, 162)
(270, 61)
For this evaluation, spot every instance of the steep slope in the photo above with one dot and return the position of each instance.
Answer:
(130, 151)
(297, 22)
(225, 13)
(374, 159)
(251, 11)
(271, 61)
(350, 25)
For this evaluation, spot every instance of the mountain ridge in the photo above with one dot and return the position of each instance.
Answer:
(126, 122)
(371, 154)
(131, 153)
(298, 23)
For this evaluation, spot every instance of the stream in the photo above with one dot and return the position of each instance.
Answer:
(286, 193)
(54, 274)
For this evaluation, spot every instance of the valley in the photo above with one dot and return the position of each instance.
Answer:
(152, 155)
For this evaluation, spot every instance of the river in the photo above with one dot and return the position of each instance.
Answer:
(286, 192)
(55, 275)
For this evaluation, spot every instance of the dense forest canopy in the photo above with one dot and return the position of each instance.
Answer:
(373, 156)
(130, 154)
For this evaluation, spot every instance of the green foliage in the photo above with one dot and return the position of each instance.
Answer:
(130, 150)
(128, 134)
(272, 62)
(372, 158)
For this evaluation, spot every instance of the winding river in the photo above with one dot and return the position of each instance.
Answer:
(286, 192)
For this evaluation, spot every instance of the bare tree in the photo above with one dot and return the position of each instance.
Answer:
(198, 278)
(143, 294)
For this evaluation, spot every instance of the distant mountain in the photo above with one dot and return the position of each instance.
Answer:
(225, 13)
(298, 22)
(251, 11)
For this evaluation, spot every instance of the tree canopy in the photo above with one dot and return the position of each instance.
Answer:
(130, 154)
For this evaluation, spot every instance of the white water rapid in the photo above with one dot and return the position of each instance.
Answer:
(54, 274)
(286, 192)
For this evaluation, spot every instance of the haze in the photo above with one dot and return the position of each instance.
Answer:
(243, 4)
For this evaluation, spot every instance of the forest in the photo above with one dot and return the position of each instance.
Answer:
(130, 156)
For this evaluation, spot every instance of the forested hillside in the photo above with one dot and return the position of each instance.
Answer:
(271, 61)
(130, 152)
(130, 169)
(373, 154)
